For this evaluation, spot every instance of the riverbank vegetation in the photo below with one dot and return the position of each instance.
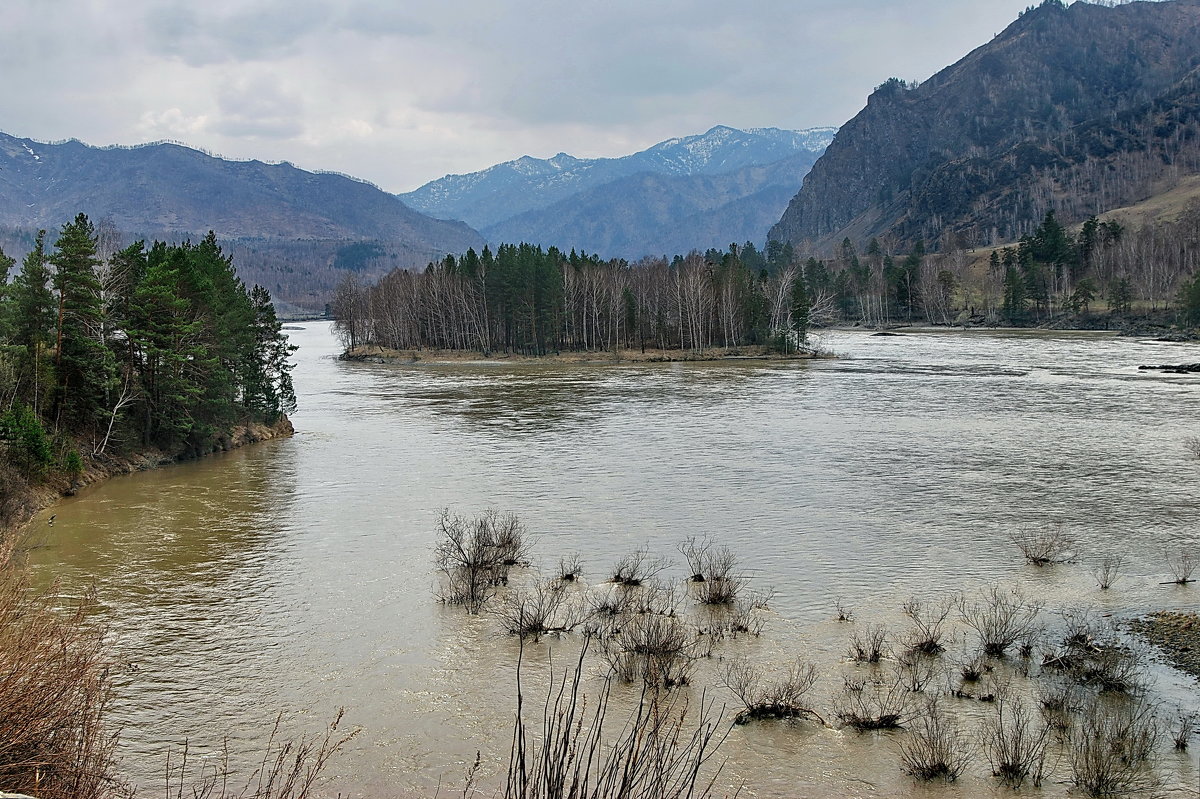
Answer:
(523, 299)
(106, 352)
(1038, 693)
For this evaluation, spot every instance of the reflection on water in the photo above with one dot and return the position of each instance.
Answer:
(297, 574)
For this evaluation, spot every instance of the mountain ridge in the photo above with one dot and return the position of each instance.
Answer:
(980, 151)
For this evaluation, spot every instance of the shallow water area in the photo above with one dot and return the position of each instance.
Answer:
(297, 575)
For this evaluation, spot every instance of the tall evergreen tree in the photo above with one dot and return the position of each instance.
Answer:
(83, 364)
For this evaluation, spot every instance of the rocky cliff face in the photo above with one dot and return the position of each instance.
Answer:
(1078, 108)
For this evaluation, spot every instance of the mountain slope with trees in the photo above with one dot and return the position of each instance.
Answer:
(1074, 109)
(294, 231)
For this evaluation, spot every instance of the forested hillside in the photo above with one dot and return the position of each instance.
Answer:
(290, 229)
(156, 347)
(1076, 109)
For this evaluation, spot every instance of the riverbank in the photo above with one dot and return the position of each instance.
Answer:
(376, 354)
(21, 499)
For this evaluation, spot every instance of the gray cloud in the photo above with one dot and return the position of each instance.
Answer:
(401, 93)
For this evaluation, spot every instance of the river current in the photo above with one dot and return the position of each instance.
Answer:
(297, 576)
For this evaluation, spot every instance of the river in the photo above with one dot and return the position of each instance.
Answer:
(297, 575)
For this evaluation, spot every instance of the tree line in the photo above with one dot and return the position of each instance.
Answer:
(147, 346)
(524, 299)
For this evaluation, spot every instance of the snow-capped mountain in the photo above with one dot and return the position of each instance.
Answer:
(499, 193)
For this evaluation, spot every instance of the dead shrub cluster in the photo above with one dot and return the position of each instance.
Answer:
(1000, 618)
(936, 748)
(766, 698)
(474, 555)
(1044, 545)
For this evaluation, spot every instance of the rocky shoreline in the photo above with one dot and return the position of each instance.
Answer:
(1176, 635)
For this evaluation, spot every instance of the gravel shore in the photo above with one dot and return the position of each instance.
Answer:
(1176, 635)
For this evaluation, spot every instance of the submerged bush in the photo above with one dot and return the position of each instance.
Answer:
(474, 555)
(935, 747)
(765, 698)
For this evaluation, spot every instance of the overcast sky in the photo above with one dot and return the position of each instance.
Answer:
(401, 93)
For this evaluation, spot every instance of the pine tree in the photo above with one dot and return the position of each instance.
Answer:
(83, 364)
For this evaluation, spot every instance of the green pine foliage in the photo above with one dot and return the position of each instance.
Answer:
(160, 346)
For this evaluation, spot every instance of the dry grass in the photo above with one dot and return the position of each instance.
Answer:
(54, 687)
(289, 769)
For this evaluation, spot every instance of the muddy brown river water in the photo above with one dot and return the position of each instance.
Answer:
(297, 575)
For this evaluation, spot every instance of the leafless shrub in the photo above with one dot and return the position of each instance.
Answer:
(1000, 618)
(289, 770)
(611, 602)
(1185, 727)
(545, 608)
(570, 569)
(1015, 742)
(55, 686)
(972, 667)
(660, 752)
(928, 626)
(916, 670)
(843, 613)
(1107, 569)
(695, 553)
(1044, 545)
(662, 650)
(868, 645)
(762, 698)
(720, 585)
(637, 568)
(1058, 701)
(474, 556)
(1092, 654)
(873, 704)
(654, 598)
(1182, 565)
(935, 747)
(1110, 749)
(760, 600)
(744, 620)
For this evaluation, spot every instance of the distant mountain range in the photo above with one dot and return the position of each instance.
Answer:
(714, 189)
(1079, 108)
(294, 231)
